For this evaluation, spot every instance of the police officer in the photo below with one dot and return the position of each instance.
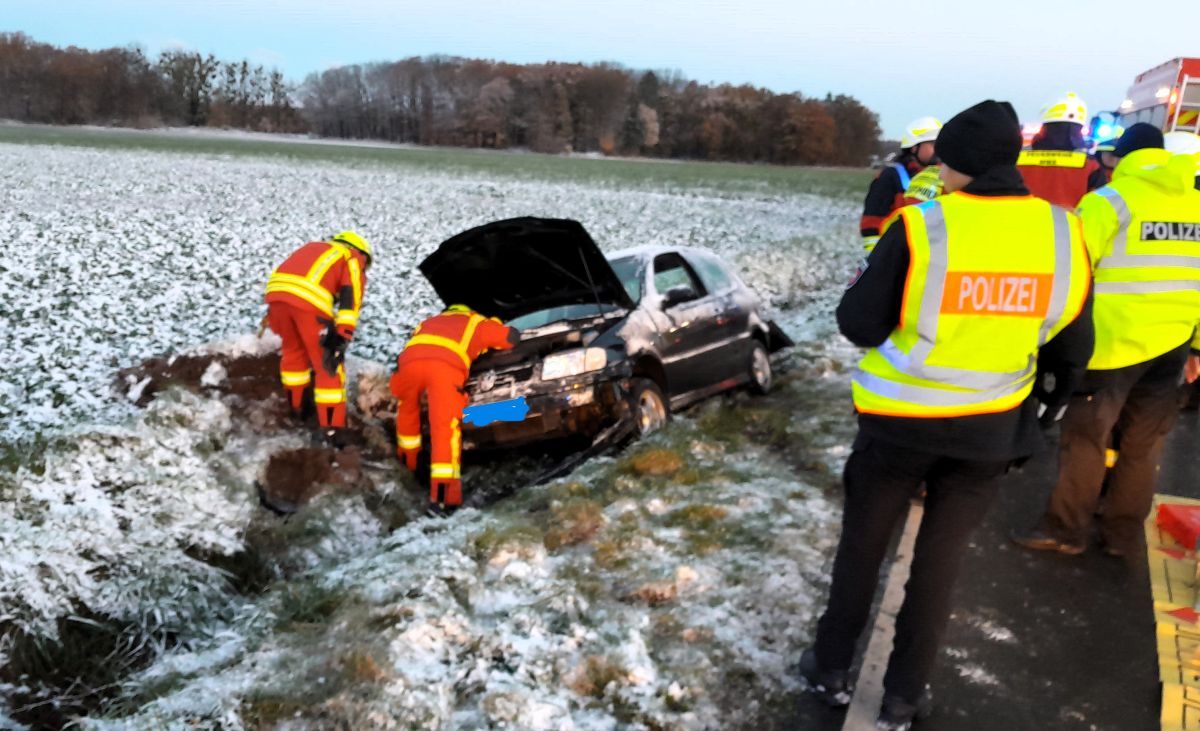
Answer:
(1141, 231)
(956, 306)
(887, 191)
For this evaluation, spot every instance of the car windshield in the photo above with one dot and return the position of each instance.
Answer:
(629, 271)
(562, 312)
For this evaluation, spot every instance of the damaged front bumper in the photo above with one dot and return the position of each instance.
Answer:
(576, 406)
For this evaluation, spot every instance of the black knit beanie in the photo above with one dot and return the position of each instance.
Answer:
(980, 138)
(1140, 136)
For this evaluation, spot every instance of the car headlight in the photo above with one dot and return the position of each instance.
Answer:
(573, 363)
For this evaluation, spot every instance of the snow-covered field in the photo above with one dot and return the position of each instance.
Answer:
(116, 256)
(668, 588)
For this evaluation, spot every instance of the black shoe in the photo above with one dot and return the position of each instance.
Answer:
(1039, 540)
(335, 438)
(833, 686)
(897, 714)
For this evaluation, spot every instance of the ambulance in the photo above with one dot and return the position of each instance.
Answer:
(1167, 96)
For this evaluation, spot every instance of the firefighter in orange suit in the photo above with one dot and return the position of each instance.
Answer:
(1056, 168)
(313, 300)
(435, 363)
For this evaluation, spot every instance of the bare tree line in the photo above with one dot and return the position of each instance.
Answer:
(438, 100)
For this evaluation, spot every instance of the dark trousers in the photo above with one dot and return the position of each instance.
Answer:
(880, 479)
(1142, 401)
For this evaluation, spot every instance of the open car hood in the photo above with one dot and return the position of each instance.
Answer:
(511, 268)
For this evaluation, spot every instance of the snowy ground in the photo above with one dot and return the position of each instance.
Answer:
(667, 588)
(123, 255)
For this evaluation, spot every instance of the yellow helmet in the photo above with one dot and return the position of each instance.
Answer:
(922, 129)
(354, 241)
(1066, 108)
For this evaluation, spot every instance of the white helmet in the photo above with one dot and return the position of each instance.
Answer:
(921, 129)
(1182, 143)
(1066, 108)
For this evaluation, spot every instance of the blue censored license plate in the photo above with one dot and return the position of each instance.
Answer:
(483, 414)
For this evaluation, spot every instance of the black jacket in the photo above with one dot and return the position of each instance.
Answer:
(886, 194)
(870, 311)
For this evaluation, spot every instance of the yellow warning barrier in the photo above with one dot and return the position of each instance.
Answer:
(1173, 585)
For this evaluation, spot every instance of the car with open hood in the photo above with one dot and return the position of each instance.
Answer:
(622, 339)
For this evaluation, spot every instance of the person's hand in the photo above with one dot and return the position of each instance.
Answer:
(1191, 371)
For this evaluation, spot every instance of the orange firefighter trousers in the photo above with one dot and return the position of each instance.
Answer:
(442, 386)
(301, 358)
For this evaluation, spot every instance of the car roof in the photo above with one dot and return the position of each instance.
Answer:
(649, 251)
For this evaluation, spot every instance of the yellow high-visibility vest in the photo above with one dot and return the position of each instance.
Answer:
(1144, 239)
(990, 281)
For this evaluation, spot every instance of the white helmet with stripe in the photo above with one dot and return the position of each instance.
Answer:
(1067, 108)
(922, 129)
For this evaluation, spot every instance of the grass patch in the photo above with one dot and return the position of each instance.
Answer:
(519, 538)
(266, 710)
(845, 183)
(618, 544)
(573, 522)
(305, 603)
(76, 674)
(359, 666)
(594, 676)
(706, 529)
(737, 425)
(655, 462)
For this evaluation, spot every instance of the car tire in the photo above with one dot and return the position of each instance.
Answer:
(761, 376)
(648, 406)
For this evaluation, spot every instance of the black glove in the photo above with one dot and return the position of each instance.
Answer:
(334, 346)
(1049, 389)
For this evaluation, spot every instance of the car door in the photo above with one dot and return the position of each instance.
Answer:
(731, 328)
(687, 327)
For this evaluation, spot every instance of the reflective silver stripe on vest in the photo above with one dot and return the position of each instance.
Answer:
(996, 384)
(1123, 218)
(1148, 260)
(1152, 287)
(1121, 259)
(1061, 289)
(936, 396)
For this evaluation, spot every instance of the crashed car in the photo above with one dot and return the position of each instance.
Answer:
(625, 339)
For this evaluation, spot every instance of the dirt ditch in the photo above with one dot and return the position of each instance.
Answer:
(250, 385)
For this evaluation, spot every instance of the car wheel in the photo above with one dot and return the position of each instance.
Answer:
(761, 377)
(648, 406)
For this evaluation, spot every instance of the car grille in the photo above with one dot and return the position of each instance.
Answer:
(495, 385)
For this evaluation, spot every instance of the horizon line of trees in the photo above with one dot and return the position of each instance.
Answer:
(440, 100)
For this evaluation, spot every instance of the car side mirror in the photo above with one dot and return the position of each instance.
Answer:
(678, 295)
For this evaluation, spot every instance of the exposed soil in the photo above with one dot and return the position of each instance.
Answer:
(254, 378)
(295, 476)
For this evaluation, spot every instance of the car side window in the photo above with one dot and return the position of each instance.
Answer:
(670, 271)
(712, 273)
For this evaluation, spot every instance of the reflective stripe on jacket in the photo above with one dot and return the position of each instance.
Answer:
(1143, 235)
(456, 336)
(321, 276)
(990, 281)
(1059, 176)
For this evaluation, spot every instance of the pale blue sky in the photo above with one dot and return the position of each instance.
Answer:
(902, 59)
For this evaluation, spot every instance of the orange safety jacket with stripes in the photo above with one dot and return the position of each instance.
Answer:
(324, 277)
(456, 337)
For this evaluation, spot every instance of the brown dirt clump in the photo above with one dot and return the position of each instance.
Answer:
(254, 378)
(654, 593)
(294, 477)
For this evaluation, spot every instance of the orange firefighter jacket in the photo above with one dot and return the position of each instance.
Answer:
(323, 277)
(456, 337)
